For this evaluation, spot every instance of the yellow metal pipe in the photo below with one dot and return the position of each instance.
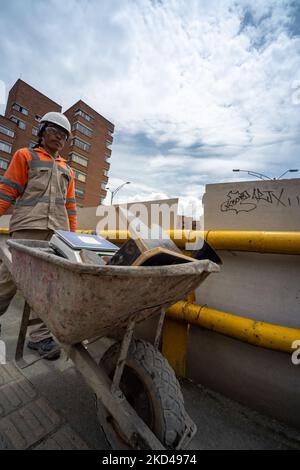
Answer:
(253, 241)
(115, 236)
(266, 335)
(260, 242)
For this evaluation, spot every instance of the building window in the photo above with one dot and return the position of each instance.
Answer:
(79, 175)
(81, 144)
(21, 124)
(106, 157)
(37, 118)
(7, 131)
(20, 108)
(103, 185)
(85, 116)
(108, 144)
(5, 146)
(105, 172)
(35, 131)
(83, 129)
(79, 192)
(3, 164)
(110, 132)
(75, 157)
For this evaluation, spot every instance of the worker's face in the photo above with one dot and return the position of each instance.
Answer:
(54, 138)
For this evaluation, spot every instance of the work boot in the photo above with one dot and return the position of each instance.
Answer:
(47, 347)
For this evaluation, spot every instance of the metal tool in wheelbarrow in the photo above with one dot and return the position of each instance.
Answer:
(155, 247)
(140, 404)
(82, 247)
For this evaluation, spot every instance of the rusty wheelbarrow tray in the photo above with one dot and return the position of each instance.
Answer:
(78, 302)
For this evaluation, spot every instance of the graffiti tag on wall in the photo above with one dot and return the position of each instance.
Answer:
(248, 200)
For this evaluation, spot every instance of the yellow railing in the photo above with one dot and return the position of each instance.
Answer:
(250, 331)
(255, 241)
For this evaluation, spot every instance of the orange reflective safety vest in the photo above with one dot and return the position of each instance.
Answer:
(43, 190)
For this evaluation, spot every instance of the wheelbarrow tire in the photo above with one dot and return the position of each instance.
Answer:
(150, 385)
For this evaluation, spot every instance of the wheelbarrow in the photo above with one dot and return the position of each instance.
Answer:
(140, 404)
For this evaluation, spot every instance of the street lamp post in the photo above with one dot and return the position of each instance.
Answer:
(253, 173)
(262, 176)
(292, 170)
(115, 191)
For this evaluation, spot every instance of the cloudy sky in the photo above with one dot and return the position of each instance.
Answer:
(195, 88)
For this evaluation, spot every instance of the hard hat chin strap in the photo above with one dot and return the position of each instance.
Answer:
(40, 134)
(42, 128)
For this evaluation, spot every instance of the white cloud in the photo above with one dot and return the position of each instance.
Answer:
(187, 73)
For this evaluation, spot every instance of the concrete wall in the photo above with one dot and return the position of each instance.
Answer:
(261, 379)
(253, 205)
(263, 287)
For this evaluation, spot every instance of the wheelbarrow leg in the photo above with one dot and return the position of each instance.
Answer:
(25, 323)
(115, 390)
(159, 328)
(124, 350)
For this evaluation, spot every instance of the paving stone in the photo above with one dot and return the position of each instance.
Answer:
(28, 425)
(64, 439)
(14, 395)
(8, 373)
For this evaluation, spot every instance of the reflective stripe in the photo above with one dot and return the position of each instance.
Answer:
(34, 155)
(59, 200)
(36, 162)
(36, 200)
(70, 200)
(40, 164)
(33, 202)
(71, 212)
(12, 184)
(6, 197)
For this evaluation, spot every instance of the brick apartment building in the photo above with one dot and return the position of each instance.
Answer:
(88, 151)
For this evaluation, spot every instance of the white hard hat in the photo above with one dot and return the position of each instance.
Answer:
(59, 119)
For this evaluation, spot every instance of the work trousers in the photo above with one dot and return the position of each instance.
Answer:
(8, 288)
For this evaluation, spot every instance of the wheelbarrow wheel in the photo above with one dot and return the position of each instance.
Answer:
(151, 388)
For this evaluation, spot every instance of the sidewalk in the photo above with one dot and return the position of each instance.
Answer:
(49, 406)
(27, 420)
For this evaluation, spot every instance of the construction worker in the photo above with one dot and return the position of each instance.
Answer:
(41, 184)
